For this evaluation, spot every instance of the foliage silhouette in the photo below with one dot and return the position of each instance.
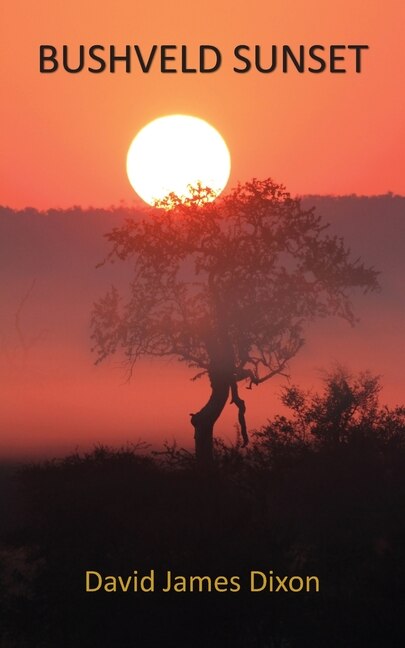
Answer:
(295, 502)
(226, 287)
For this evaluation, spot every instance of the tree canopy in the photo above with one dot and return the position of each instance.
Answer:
(226, 287)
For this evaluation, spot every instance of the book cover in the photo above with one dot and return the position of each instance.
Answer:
(202, 415)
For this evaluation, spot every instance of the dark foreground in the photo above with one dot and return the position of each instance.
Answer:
(309, 498)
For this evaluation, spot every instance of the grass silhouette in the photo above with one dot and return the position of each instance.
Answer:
(319, 492)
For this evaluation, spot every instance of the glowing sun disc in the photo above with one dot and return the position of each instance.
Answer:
(175, 151)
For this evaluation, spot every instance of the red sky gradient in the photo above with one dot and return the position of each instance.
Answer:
(66, 136)
(64, 142)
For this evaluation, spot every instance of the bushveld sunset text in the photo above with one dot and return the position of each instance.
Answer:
(202, 59)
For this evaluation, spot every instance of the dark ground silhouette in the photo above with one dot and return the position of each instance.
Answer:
(319, 492)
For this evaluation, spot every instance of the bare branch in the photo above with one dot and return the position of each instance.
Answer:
(240, 404)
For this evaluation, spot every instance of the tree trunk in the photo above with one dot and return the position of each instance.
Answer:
(204, 420)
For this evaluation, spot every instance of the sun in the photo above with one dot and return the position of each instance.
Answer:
(173, 152)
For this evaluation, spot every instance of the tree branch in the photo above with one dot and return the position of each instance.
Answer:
(240, 404)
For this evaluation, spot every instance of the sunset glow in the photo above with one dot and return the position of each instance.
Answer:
(172, 153)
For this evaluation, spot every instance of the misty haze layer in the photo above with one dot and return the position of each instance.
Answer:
(53, 397)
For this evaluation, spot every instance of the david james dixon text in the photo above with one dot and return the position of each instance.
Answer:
(203, 59)
(255, 581)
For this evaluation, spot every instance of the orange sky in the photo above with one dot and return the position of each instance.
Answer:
(64, 142)
(66, 136)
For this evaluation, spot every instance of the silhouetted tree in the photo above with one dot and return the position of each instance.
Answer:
(226, 287)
